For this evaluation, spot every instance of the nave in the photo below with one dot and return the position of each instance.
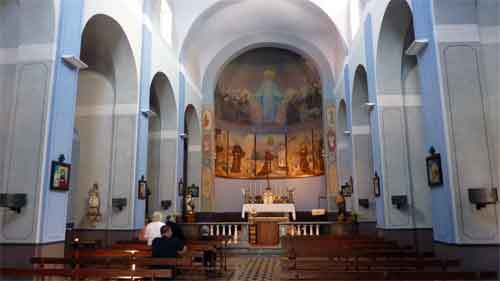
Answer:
(348, 252)
(287, 139)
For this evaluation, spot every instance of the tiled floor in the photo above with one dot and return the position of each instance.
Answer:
(253, 268)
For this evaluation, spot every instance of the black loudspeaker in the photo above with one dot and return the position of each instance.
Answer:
(13, 201)
(119, 203)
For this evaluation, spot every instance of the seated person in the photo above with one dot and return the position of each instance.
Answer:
(209, 257)
(176, 230)
(167, 246)
(152, 229)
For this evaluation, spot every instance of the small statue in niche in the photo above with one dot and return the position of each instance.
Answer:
(94, 206)
(188, 203)
(238, 154)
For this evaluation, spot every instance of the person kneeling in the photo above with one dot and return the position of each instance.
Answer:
(167, 246)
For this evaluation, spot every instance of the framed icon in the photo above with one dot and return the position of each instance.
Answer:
(434, 170)
(194, 190)
(142, 191)
(60, 175)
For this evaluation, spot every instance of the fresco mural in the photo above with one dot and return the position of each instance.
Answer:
(318, 152)
(241, 154)
(271, 87)
(268, 117)
(300, 154)
(271, 155)
(221, 152)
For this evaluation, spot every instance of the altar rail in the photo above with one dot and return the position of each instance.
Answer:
(312, 228)
(231, 232)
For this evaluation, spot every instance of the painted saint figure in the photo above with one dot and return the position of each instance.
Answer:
(267, 168)
(304, 163)
(238, 155)
(269, 96)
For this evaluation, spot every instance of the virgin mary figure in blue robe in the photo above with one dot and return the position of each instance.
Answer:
(269, 96)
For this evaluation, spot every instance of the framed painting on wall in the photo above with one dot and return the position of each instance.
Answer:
(434, 170)
(60, 175)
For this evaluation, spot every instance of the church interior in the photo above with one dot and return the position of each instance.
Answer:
(286, 139)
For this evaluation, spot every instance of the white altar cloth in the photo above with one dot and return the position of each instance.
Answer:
(269, 208)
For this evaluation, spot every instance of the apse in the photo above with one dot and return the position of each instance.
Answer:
(268, 129)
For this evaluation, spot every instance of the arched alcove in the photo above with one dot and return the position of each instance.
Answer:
(362, 143)
(400, 109)
(162, 144)
(106, 113)
(192, 151)
(268, 123)
(344, 147)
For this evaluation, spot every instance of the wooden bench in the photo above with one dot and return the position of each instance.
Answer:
(388, 264)
(77, 274)
(389, 275)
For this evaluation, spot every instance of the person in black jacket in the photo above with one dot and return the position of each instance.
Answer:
(176, 230)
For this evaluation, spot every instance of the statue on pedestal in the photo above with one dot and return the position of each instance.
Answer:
(189, 204)
(94, 206)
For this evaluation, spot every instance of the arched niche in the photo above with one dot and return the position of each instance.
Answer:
(344, 147)
(401, 119)
(162, 144)
(192, 150)
(362, 143)
(106, 114)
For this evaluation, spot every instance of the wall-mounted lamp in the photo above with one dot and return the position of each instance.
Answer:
(119, 203)
(347, 132)
(481, 197)
(148, 113)
(417, 47)
(13, 201)
(183, 135)
(74, 62)
(369, 105)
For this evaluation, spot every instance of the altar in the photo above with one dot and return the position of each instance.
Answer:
(264, 221)
(269, 208)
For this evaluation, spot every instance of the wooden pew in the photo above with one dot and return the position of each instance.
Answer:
(78, 274)
(390, 275)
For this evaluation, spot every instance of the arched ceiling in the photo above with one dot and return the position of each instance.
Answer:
(206, 27)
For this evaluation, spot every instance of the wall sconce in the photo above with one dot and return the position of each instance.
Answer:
(347, 132)
(400, 201)
(417, 47)
(13, 201)
(148, 113)
(74, 62)
(183, 135)
(119, 203)
(481, 197)
(369, 106)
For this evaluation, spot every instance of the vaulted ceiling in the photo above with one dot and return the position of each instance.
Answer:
(205, 28)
